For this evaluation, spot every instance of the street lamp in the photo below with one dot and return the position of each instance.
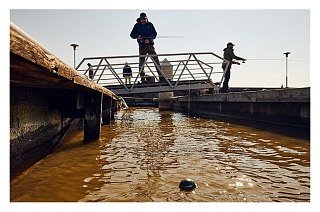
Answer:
(286, 53)
(74, 54)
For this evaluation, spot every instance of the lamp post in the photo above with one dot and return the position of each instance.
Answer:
(74, 54)
(286, 53)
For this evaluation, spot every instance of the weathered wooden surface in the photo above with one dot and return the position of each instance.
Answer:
(32, 65)
(45, 96)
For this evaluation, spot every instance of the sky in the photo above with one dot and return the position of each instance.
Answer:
(261, 30)
(259, 35)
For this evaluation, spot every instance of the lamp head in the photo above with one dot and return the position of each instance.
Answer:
(287, 53)
(74, 46)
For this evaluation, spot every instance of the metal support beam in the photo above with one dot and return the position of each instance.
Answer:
(184, 67)
(189, 71)
(193, 69)
(163, 75)
(116, 75)
(140, 70)
(101, 73)
(204, 71)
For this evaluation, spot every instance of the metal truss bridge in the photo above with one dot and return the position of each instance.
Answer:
(181, 71)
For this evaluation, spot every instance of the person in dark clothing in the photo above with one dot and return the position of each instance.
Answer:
(90, 70)
(127, 73)
(229, 56)
(145, 33)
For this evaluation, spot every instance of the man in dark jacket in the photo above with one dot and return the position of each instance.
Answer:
(145, 33)
(127, 73)
(90, 70)
(229, 56)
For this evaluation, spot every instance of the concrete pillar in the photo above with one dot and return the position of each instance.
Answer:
(92, 117)
(106, 110)
(165, 99)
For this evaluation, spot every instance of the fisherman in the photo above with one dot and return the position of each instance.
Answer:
(90, 70)
(228, 55)
(127, 73)
(145, 33)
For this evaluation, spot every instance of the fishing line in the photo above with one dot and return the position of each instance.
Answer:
(263, 59)
(274, 59)
(189, 101)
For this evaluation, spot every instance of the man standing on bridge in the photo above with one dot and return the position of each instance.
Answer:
(145, 33)
(229, 56)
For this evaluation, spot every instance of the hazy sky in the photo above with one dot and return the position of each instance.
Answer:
(261, 36)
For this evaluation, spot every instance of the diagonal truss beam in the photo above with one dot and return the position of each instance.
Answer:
(193, 68)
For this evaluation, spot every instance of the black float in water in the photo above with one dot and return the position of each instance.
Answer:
(187, 185)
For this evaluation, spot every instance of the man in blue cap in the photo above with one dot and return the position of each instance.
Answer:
(229, 56)
(145, 33)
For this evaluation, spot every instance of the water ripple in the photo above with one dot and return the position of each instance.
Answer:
(145, 153)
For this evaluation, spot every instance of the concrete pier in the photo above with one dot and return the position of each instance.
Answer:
(290, 107)
(45, 96)
(165, 98)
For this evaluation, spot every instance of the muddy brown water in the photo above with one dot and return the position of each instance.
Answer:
(145, 153)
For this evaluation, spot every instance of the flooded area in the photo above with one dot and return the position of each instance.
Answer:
(145, 153)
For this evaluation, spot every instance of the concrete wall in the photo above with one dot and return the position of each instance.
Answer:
(284, 106)
(35, 125)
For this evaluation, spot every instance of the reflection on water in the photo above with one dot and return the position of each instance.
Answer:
(145, 153)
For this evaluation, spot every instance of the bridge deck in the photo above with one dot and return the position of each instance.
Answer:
(161, 87)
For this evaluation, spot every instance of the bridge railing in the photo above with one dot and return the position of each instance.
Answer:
(203, 66)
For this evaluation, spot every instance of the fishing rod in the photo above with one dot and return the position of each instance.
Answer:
(165, 37)
(143, 40)
(257, 59)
